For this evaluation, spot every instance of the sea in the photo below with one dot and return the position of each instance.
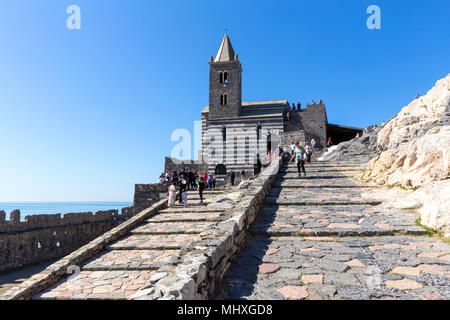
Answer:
(32, 208)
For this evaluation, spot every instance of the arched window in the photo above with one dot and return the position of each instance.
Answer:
(225, 77)
(223, 99)
(220, 77)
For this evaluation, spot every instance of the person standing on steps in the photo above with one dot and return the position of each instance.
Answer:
(209, 181)
(242, 174)
(184, 198)
(330, 142)
(292, 147)
(308, 148)
(172, 193)
(313, 143)
(183, 186)
(232, 177)
(299, 156)
(201, 187)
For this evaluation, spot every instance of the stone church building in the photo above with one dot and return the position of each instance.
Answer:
(236, 133)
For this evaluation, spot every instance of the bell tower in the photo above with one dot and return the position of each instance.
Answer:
(225, 77)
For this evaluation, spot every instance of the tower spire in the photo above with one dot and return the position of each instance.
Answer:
(226, 52)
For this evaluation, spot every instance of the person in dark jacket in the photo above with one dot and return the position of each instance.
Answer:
(232, 177)
(201, 187)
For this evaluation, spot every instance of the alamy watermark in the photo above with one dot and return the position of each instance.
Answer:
(74, 271)
(374, 277)
(374, 20)
(74, 20)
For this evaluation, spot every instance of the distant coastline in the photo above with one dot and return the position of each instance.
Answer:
(33, 208)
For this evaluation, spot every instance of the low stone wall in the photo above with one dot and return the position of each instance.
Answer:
(62, 267)
(47, 237)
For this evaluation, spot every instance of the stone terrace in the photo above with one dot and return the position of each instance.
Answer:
(318, 238)
(315, 237)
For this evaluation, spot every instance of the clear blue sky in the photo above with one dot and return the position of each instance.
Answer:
(85, 114)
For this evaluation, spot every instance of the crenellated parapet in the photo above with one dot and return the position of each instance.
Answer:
(46, 237)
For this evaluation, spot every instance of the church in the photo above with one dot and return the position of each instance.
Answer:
(235, 133)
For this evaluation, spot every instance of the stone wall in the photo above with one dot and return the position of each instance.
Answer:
(177, 165)
(61, 268)
(146, 195)
(314, 121)
(48, 237)
(287, 137)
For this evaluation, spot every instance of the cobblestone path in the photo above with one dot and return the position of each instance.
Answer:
(137, 259)
(318, 238)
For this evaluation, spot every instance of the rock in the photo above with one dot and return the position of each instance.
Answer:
(268, 268)
(404, 284)
(412, 150)
(355, 263)
(294, 292)
(313, 279)
(357, 150)
(410, 271)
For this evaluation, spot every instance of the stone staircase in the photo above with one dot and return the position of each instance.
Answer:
(130, 264)
(320, 237)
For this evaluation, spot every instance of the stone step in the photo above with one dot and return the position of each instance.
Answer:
(342, 232)
(320, 164)
(318, 183)
(315, 169)
(110, 260)
(153, 242)
(183, 210)
(188, 217)
(99, 285)
(208, 191)
(274, 201)
(318, 175)
(342, 220)
(185, 227)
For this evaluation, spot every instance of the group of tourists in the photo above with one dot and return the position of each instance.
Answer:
(191, 177)
(298, 154)
(186, 180)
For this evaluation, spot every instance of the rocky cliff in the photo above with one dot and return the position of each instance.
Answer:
(412, 151)
(416, 142)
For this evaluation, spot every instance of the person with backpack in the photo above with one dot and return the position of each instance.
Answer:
(300, 157)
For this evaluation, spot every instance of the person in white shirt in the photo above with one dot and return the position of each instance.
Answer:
(292, 148)
(313, 143)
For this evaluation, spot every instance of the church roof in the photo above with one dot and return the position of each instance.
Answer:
(226, 52)
(257, 109)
